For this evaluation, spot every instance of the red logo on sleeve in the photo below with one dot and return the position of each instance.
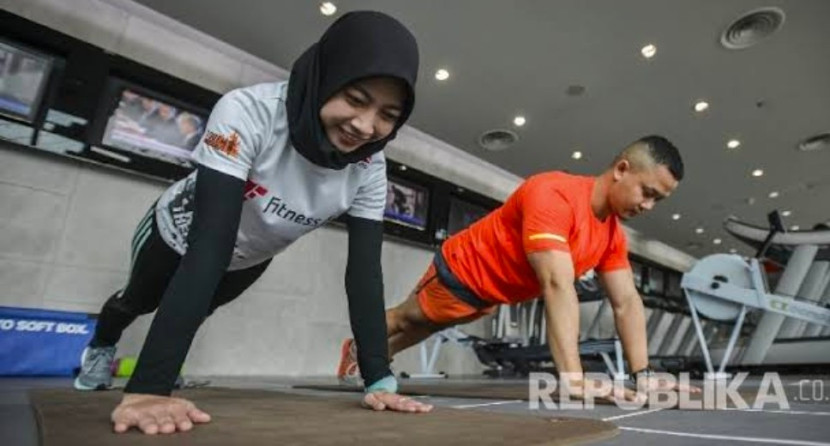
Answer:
(229, 145)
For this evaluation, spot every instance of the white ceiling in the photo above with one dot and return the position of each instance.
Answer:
(520, 56)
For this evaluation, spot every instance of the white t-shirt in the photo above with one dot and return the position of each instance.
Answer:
(286, 195)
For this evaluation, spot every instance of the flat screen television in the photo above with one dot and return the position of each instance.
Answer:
(407, 204)
(150, 124)
(24, 74)
(463, 213)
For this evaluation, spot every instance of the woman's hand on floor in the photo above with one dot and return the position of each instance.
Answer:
(154, 414)
(393, 401)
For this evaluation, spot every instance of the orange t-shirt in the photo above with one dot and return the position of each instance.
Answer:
(550, 210)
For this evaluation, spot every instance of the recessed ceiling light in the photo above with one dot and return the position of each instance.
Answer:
(757, 172)
(701, 106)
(327, 8)
(403, 167)
(786, 213)
(675, 217)
(795, 228)
(732, 250)
(442, 74)
(733, 144)
(717, 241)
(576, 155)
(699, 231)
(649, 51)
(519, 121)
(773, 194)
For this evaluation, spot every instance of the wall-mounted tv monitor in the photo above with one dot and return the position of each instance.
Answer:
(463, 213)
(150, 124)
(407, 204)
(24, 74)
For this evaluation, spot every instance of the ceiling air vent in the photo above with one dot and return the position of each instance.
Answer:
(496, 140)
(752, 28)
(815, 143)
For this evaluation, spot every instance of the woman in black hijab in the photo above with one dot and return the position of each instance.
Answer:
(276, 161)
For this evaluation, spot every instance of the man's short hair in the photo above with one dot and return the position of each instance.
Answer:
(659, 149)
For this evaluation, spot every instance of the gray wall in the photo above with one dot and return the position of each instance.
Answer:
(65, 229)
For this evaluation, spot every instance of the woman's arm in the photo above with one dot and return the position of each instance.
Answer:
(364, 288)
(186, 301)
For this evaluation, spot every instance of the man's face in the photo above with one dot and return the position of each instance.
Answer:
(166, 112)
(637, 190)
(185, 126)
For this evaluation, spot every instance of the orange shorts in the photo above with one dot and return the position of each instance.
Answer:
(441, 306)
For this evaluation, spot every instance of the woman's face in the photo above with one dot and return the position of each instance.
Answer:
(363, 112)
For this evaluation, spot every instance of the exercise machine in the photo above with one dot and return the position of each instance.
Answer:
(725, 287)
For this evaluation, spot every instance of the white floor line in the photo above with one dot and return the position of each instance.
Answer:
(633, 414)
(788, 412)
(726, 437)
(495, 403)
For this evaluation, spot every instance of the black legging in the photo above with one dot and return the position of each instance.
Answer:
(154, 264)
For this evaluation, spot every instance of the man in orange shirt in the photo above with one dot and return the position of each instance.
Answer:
(551, 230)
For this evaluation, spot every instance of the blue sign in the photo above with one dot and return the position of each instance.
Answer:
(42, 342)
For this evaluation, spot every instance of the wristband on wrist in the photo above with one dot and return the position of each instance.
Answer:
(647, 372)
(386, 384)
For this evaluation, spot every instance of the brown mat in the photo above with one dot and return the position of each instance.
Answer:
(253, 417)
(516, 391)
(450, 390)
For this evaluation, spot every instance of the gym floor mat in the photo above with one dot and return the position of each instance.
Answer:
(253, 417)
(495, 391)
(515, 391)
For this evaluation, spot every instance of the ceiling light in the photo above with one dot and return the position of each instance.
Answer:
(757, 172)
(733, 144)
(327, 8)
(576, 155)
(699, 231)
(732, 250)
(716, 241)
(701, 106)
(403, 167)
(519, 121)
(794, 228)
(675, 217)
(649, 51)
(773, 194)
(442, 74)
(786, 213)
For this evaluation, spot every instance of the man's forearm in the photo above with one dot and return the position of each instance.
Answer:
(562, 312)
(631, 326)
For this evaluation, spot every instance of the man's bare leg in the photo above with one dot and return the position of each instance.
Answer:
(407, 325)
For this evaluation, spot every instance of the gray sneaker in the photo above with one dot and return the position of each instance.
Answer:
(96, 373)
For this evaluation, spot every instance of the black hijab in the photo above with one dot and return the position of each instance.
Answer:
(358, 45)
